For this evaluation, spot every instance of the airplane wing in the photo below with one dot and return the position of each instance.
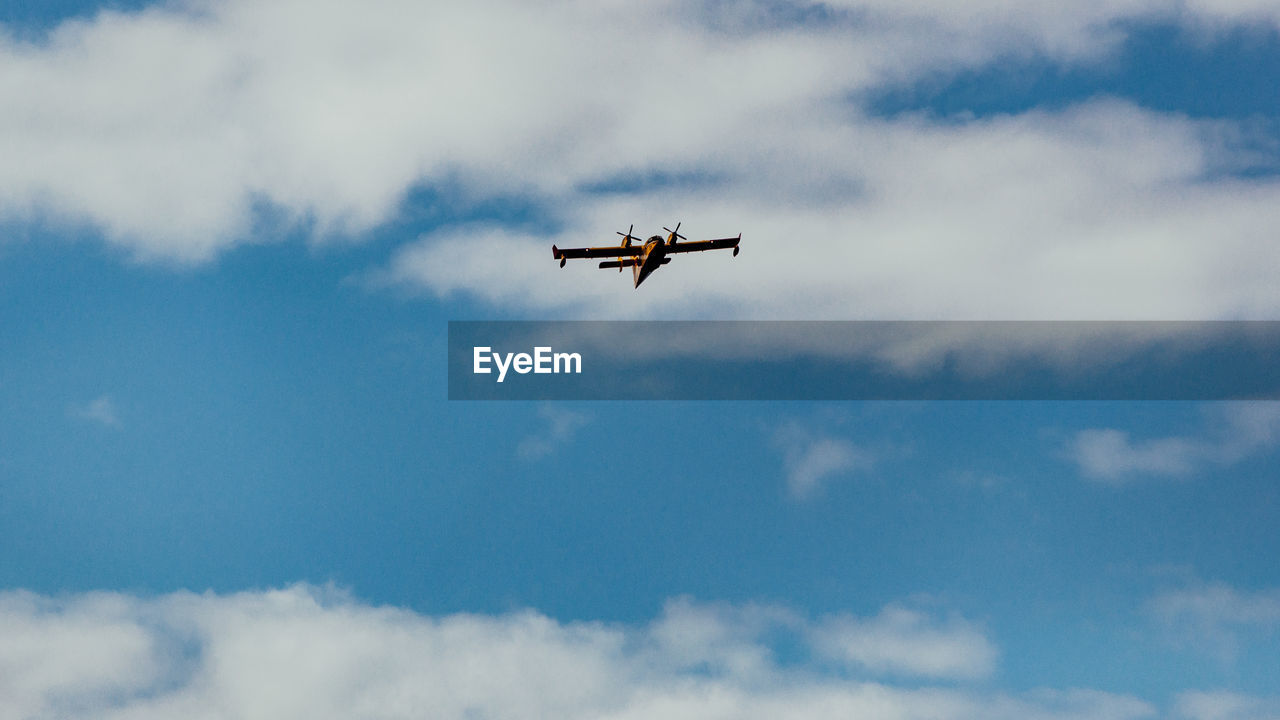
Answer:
(595, 252)
(698, 245)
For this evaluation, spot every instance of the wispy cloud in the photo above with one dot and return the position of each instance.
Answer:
(1217, 618)
(304, 652)
(1233, 432)
(1222, 705)
(812, 458)
(102, 411)
(1111, 456)
(557, 426)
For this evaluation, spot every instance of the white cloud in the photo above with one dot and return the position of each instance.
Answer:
(303, 652)
(81, 655)
(1098, 212)
(101, 411)
(811, 458)
(166, 127)
(1233, 432)
(557, 427)
(1247, 428)
(1109, 455)
(1217, 618)
(720, 639)
(900, 639)
(1223, 705)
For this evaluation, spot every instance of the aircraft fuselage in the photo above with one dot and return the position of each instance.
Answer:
(655, 250)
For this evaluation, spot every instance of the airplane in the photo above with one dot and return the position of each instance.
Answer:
(652, 254)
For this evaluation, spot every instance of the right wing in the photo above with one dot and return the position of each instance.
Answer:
(699, 245)
(595, 252)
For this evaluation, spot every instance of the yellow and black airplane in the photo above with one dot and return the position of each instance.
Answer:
(650, 255)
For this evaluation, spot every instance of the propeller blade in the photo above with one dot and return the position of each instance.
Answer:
(626, 239)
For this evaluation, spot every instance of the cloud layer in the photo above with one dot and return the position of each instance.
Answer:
(304, 652)
(173, 129)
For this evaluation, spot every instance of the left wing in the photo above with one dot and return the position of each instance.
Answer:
(699, 245)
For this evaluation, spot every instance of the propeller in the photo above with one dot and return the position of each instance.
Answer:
(674, 234)
(626, 239)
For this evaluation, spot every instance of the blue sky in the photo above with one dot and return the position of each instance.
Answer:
(233, 236)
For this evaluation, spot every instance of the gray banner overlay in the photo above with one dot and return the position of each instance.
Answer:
(815, 360)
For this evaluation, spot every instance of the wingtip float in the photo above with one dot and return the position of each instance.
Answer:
(648, 255)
